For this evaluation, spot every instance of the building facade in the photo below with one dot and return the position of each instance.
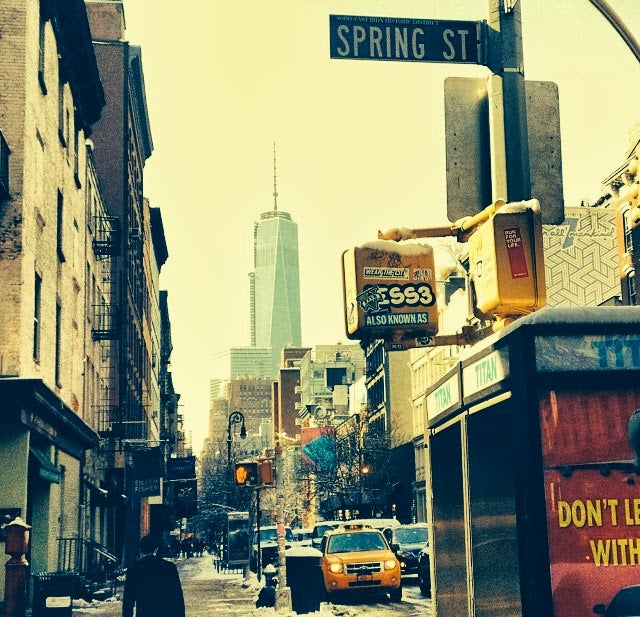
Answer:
(581, 258)
(326, 372)
(275, 285)
(51, 97)
(622, 196)
(251, 396)
(130, 425)
(287, 392)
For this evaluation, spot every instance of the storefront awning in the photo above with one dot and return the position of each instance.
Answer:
(33, 404)
(46, 469)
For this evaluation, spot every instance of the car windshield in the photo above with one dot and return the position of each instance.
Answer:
(361, 541)
(271, 535)
(410, 535)
(320, 529)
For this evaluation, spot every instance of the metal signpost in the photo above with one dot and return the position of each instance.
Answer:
(497, 44)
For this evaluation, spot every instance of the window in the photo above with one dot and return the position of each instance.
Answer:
(76, 159)
(631, 287)
(63, 117)
(41, 50)
(58, 342)
(59, 227)
(628, 238)
(37, 308)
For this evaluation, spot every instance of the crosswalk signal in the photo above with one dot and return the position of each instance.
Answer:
(506, 261)
(266, 473)
(246, 474)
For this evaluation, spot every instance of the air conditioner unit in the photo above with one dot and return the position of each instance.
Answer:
(298, 389)
(297, 406)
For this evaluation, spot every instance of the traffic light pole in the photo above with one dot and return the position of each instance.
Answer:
(258, 524)
(283, 597)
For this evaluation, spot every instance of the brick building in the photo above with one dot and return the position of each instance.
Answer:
(51, 96)
(122, 137)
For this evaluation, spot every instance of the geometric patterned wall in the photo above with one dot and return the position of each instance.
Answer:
(581, 259)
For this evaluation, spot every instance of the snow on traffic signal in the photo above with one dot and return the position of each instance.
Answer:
(389, 292)
(506, 262)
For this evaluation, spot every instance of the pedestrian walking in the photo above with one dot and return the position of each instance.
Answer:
(152, 585)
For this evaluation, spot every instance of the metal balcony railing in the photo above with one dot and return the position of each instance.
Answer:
(109, 421)
(88, 558)
(107, 237)
(106, 322)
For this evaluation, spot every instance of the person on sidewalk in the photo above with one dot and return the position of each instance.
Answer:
(152, 585)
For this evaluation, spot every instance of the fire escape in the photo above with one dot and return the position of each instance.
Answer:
(106, 325)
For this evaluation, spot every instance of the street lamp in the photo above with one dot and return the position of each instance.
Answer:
(235, 417)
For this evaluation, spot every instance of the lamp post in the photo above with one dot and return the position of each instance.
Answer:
(235, 417)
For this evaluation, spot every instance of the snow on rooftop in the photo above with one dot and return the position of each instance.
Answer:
(302, 551)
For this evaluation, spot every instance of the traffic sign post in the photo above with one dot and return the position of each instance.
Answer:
(497, 44)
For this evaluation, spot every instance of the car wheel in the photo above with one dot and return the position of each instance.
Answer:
(395, 595)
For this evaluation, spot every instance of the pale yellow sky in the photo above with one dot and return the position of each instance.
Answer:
(360, 144)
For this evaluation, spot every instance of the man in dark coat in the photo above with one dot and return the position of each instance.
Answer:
(152, 585)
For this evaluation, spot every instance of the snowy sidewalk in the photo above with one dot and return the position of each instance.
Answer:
(207, 593)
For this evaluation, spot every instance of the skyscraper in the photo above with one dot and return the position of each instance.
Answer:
(275, 281)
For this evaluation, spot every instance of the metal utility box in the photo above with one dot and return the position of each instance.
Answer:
(533, 483)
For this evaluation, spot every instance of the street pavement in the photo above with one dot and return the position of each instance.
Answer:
(209, 593)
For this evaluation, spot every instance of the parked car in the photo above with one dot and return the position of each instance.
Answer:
(377, 523)
(319, 530)
(358, 558)
(424, 570)
(268, 546)
(302, 537)
(626, 603)
(406, 541)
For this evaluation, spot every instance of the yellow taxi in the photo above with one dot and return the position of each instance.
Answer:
(358, 558)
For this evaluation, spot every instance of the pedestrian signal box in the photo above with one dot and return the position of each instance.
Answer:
(246, 474)
(265, 472)
(389, 292)
(506, 261)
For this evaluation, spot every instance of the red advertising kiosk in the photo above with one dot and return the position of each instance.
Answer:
(533, 477)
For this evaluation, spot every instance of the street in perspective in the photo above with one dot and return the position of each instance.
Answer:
(209, 592)
(333, 319)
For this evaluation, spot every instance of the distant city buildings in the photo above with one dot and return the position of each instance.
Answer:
(275, 322)
(275, 284)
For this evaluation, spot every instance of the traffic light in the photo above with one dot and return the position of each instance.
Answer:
(390, 292)
(506, 261)
(246, 474)
(265, 469)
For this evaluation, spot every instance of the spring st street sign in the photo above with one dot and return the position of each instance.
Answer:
(406, 40)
